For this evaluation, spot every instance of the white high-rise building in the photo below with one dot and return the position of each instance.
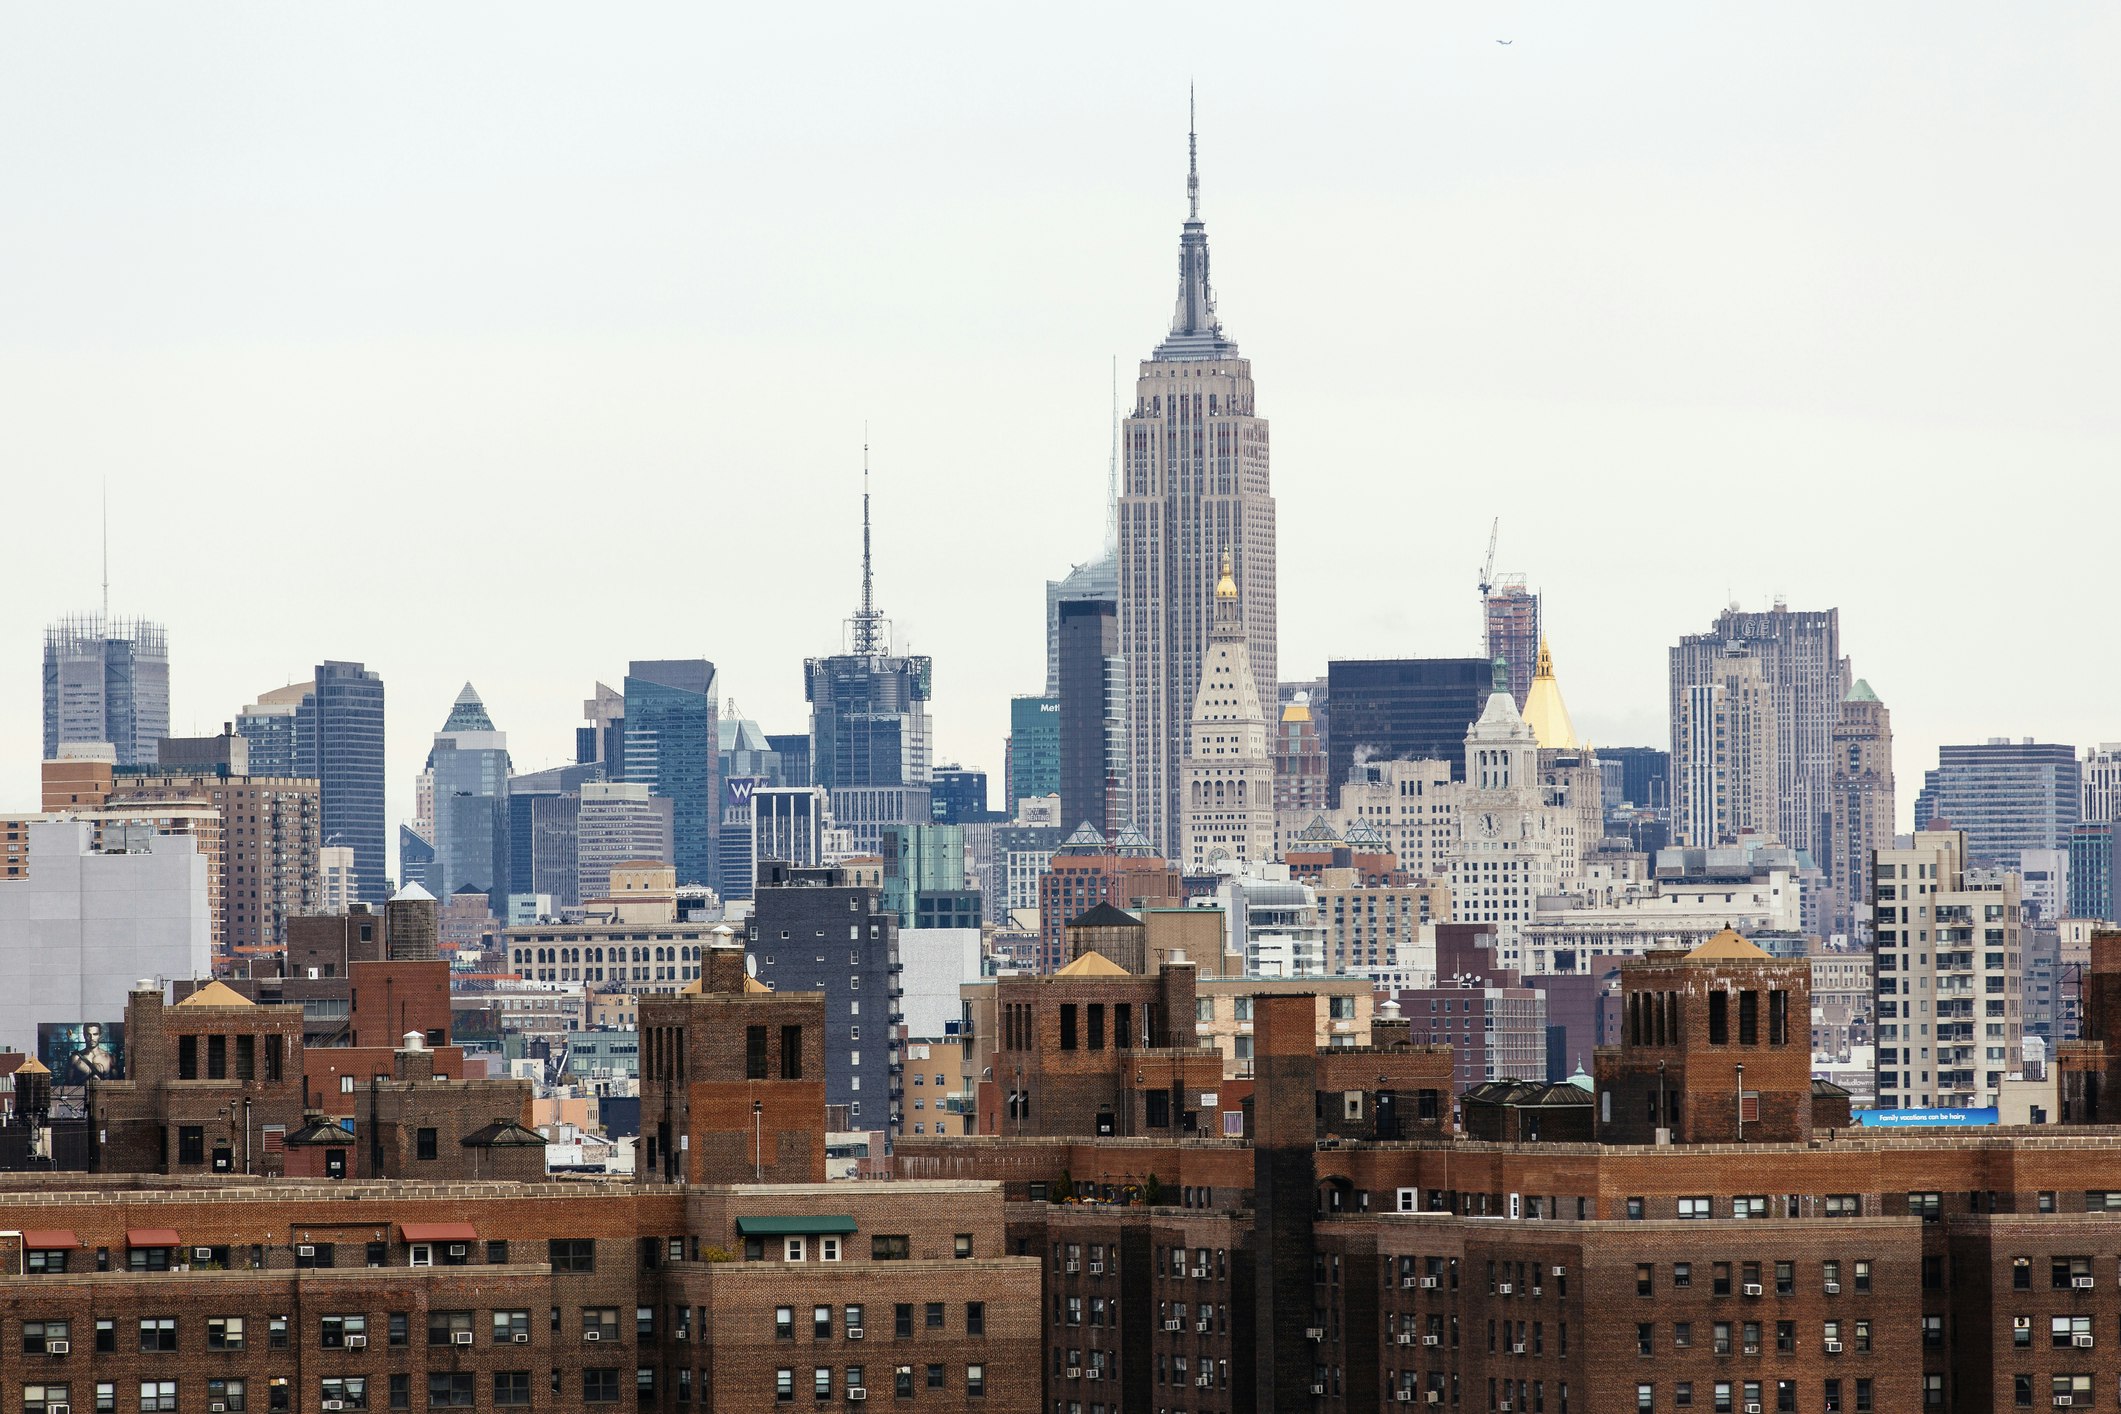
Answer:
(91, 920)
(1724, 755)
(1229, 773)
(1194, 491)
(1951, 974)
(2102, 783)
(1510, 843)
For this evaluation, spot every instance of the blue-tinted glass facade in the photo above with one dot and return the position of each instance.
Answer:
(671, 748)
(344, 733)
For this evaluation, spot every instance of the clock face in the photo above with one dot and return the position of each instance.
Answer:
(1491, 825)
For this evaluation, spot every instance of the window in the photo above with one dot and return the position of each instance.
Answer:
(902, 1320)
(275, 1333)
(37, 1398)
(158, 1394)
(572, 1254)
(975, 1381)
(1645, 1279)
(784, 1384)
(451, 1389)
(794, 1249)
(511, 1387)
(449, 1327)
(333, 1332)
(425, 1144)
(37, 1336)
(963, 1245)
(791, 1053)
(821, 1323)
(224, 1332)
(600, 1323)
(934, 1317)
(1844, 1205)
(935, 1377)
(600, 1386)
(401, 1391)
(191, 1144)
(158, 1333)
(821, 1382)
(828, 1249)
(1863, 1276)
(1682, 1274)
(894, 1248)
(784, 1323)
(975, 1318)
(41, 1260)
(350, 1391)
(852, 1315)
(1696, 1208)
(754, 1053)
(902, 1382)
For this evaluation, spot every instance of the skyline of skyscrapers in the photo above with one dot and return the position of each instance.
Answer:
(2005, 796)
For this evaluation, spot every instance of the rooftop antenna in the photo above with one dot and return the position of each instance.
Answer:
(1192, 161)
(106, 553)
(866, 637)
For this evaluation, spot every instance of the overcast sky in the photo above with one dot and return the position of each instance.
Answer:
(511, 342)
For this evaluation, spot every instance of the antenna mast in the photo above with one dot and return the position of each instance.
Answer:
(866, 636)
(1192, 162)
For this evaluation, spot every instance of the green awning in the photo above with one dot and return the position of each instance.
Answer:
(794, 1226)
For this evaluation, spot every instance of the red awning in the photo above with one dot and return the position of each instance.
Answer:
(151, 1237)
(437, 1232)
(48, 1239)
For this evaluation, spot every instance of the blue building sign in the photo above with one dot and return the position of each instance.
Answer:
(1924, 1119)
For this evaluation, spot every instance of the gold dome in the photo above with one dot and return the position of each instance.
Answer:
(1226, 587)
(1544, 709)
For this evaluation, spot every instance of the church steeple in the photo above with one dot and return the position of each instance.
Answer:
(1195, 331)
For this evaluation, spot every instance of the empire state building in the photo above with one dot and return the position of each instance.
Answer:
(1194, 491)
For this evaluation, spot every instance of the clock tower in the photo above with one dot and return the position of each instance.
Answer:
(1510, 840)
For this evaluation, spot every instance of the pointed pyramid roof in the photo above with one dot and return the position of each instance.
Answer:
(217, 994)
(1545, 710)
(1092, 964)
(468, 713)
(1105, 915)
(1727, 946)
(1861, 692)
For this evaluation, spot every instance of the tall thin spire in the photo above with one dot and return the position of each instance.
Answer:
(1192, 161)
(868, 636)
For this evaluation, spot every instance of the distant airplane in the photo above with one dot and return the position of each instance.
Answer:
(1505, 41)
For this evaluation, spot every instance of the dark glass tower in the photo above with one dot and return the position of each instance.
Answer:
(1402, 709)
(671, 746)
(340, 727)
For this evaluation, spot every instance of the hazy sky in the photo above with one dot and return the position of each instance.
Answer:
(511, 342)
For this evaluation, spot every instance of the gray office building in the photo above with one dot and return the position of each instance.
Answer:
(469, 761)
(811, 931)
(342, 733)
(2006, 796)
(106, 680)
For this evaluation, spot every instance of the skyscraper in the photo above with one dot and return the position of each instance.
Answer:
(1034, 749)
(1515, 632)
(1195, 488)
(2004, 796)
(1724, 744)
(672, 747)
(1093, 719)
(274, 727)
(469, 766)
(1799, 652)
(1229, 775)
(1859, 804)
(2102, 783)
(341, 722)
(1402, 709)
(106, 680)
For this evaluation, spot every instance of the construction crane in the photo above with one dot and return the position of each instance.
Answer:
(1487, 582)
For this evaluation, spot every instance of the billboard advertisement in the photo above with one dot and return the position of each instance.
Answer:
(80, 1051)
(1925, 1119)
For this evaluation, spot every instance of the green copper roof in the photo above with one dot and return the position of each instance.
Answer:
(1861, 692)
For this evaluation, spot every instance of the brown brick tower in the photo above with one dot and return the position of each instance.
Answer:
(1284, 1171)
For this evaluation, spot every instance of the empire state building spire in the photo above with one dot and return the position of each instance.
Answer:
(1195, 331)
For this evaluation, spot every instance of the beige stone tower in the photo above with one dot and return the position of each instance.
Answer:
(1228, 810)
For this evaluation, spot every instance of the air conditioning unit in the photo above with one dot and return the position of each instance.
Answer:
(1833, 1347)
(218, 1407)
(520, 1338)
(1405, 1396)
(357, 1342)
(1314, 1332)
(1833, 1288)
(1432, 1340)
(1204, 1326)
(2082, 1342)
(857, 1392)
(1504, 1406)
(1435, 1396)
(330, 1404)
(1206, 1382)
(305, 1251)
(1430, 1283)
(1561, 1271)
(854, 1332)
(1174, 1325)
(456, 1249)
(460, 1337)
(2081, 1283)
(592, 1335)
(1505, 1288)
(1093, 1373)
(202, 1254)
(2064, 1401)
(58, 1409)
(1752, 1288)
(1075, 1374)
(58, 1347)
(1318, 1389)
(1752, 1409)
(1539, 1291)
(1517, 1348)
(1406, 1338)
